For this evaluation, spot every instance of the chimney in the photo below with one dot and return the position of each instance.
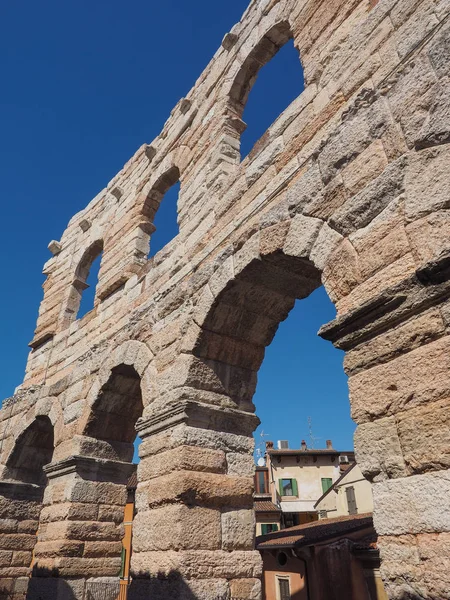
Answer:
(269, 445)
(329, 445)
(304, 446)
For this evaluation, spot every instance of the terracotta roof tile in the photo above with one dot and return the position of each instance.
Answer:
(311, 533)
(132, 481)
(264, 506)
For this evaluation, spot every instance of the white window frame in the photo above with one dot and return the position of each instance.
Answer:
(282, 577)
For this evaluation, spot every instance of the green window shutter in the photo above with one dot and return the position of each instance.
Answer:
(294, 487)
(264, 529)
(327, 482)
(275, 527)
(122, 566)
(280, 485)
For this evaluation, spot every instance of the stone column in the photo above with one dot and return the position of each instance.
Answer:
(20, 505)
(398, 360)
(80, 529)
(193, 536)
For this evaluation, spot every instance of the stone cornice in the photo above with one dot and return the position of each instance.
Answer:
(16, 490)
(91, 468)
(202, 416)
(428, 287)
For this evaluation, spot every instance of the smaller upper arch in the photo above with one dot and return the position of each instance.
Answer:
(79, 283)
(33, 449)
(262, 52)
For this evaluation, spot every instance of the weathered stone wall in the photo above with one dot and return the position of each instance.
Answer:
(350, 188)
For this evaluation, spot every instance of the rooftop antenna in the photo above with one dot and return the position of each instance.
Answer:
(261, 448)
(312, 438)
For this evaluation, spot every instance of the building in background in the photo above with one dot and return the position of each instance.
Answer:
(291, 481)
(351, 494)
(331, 559)
(267, 513)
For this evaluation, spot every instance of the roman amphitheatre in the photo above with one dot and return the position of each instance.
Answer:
(349, 188)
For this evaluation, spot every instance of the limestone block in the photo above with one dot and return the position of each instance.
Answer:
(109, 513)
(383, 240)
(177, 527)
(362, 208)
(341, 273)
(238, 530)
(246, 588)
(306, 190)
(412, 504)
(206, 563)
(102, 549)
(55, 548)
(367, 166)
(439, 51)
(200, 489)
(399, 340)
(8, 525)
(184, 458)
(364, 124)
(302, 234)
(389, 276)
(240, 464)
(436, 128)
(323, 247)
(411, 380)
(424, 434)
(263, 160)
(378, 450)
(427, 182)
(411, 33)
(273, 238)
(410, 96)
(429, 237)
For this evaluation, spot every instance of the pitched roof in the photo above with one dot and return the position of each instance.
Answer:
(132, 481)
(309, 452)
(346, 472)
(313, 533)
(265, 506)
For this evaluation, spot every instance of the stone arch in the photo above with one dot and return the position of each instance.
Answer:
(32, 450)
(276, 33)
(117, 400)
(79, 283)
(240, 320)
(274, 38)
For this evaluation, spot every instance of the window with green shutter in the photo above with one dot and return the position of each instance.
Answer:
(327, 482)
(268, 528)
(288, 487)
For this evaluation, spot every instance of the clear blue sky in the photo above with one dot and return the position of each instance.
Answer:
(84, 84)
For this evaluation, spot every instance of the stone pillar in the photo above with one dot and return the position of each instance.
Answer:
(80, 529)
(20, 505)
(398, 360)
(193, 536)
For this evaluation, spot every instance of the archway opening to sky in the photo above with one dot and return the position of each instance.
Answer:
(165, 219)
(302, 391)
(87, 274)
(279, 82)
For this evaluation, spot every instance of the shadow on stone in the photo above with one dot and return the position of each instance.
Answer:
(164, 587)
(45, 584)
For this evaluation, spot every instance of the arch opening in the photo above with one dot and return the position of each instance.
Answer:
(161, 210)
(245, 317)
(116, 411)
(251, 333)
(83, 291)
(270, 79)
(33, 450)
